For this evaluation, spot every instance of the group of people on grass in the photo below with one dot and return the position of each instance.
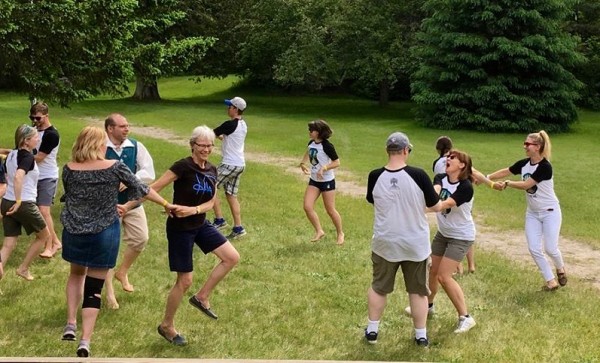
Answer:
(105, 183)
(402, 195)
(110, 175)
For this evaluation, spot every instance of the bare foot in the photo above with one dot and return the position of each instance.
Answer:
(46, 254)
(111, 303)
(340, 239)
(318, 236)
(56, 247)
(25, 274)
(124, 282)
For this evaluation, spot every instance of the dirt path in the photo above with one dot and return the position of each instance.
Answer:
(580, 259)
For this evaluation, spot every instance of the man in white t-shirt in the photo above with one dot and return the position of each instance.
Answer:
(400, 195)
(45, 158)
(233, 133)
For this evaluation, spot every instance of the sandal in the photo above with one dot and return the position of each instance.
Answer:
(548, 288)
(562, 278)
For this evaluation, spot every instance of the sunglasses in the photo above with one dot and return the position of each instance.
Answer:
(36, 118)
(528, 144)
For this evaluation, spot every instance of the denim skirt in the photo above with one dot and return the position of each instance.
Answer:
(98, 250)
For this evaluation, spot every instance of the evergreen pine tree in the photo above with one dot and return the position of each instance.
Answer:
(496, 65)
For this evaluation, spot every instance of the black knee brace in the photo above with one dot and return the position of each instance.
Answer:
(92, 290)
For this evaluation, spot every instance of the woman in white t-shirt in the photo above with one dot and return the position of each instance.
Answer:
(18, 205)
(443, 145)
(455, 235)
(319, 161)
(543, 217)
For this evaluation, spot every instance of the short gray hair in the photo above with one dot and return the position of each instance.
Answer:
(203, 132)
(23, 133)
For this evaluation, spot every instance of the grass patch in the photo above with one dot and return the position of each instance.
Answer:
(292, 299)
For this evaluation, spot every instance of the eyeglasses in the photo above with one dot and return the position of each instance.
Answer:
(528, 144)
(36, 118)
(204, 146)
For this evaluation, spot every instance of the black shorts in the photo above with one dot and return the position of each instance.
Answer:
(323, 186)
(181, 245)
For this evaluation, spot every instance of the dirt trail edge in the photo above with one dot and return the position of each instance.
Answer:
(580, 259)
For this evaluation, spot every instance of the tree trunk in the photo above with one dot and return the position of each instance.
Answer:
(384, 93)
(146, 90)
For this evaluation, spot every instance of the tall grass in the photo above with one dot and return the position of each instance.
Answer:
(292, 299)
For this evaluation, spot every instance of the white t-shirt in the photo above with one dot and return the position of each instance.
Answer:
(21, 159)
(456, 222)
(400, 226)
(319, 155)
(541, 196)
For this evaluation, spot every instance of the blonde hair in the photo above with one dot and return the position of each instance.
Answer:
(89, 145)
(543, 140)
(23, 133)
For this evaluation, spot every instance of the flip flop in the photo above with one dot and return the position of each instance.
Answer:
(197, 304)
(178, 339)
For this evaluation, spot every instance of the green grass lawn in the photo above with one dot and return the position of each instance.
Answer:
(292, 299)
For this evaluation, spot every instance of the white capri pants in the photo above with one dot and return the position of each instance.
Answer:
(544, 227)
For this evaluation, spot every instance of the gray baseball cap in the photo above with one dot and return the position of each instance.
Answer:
(397, 141)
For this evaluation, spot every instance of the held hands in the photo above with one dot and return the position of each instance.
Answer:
(500, 186)
(181, 211)
(122, 210)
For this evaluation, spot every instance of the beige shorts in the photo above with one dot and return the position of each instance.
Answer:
(416, 275)
(135, 229)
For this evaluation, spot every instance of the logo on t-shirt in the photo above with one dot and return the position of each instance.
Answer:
(533, 189)
(445, 194)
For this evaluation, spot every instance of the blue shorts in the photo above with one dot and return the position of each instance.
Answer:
(323, 186)
(98, 250)
(181, 245)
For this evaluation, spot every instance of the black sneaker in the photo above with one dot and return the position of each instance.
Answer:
(236, 232)
(422, 342)
(371, 337)
(219, 223)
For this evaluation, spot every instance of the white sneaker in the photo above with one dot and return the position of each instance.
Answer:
(464, 324)
(430, 311)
